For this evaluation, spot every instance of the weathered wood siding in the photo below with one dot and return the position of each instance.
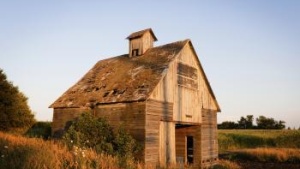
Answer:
(209, 137)
(195, 86)
(167, 149)
(181, 143)
(147, 41)
(159, 145)
(130, 115)
(61, 116)
(184, 85)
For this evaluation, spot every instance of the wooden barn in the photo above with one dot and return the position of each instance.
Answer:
(160, 94)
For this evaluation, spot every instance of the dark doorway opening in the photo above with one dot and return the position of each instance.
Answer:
(190, 149)
(135, 52)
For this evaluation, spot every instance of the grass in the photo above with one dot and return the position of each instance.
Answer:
(226, 164)
(259, 148)
(275, 146)
(275, 155)
(241, 139)
(20, 152)
(34, 153)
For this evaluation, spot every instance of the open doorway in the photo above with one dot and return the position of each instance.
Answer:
(187, 143)
(190, 149)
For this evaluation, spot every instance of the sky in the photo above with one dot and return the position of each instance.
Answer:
(250, 50)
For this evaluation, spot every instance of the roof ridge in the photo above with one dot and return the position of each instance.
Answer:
(141, 33)
(180, 41)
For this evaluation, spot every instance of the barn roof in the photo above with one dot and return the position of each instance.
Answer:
(121, 78)
(141, 33)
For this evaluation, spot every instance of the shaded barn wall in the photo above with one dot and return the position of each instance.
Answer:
(61, 116)
(130, 115)
(209, 137)
(181, 143)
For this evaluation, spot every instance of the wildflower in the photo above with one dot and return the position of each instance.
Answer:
(6, 147)
(71, 141)
(76, 148)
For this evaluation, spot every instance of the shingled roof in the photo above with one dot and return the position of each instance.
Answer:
(121, 79)
(141, 33)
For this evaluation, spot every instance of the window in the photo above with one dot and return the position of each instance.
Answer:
(135, 52)
(187, 76)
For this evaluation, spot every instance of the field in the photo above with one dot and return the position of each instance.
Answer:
(260, 148)
(238, 149)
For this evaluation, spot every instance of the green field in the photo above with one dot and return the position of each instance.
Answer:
(241, 139)
(259, 148)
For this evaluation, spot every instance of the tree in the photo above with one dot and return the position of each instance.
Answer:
(269, 123)
(228, 125)
(246, 123)
(264, 122)
(280, 124)
(14, 110)
(249, 121)
(242, 123)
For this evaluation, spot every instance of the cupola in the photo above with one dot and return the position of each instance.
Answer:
(140, 42)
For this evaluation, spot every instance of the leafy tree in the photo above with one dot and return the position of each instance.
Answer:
(228, 125)
(269, 123)
(280, 124)
(242, 123)
(14, 110)
(246, 122)
(249, 121)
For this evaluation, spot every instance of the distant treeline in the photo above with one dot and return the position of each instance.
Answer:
(262, 122)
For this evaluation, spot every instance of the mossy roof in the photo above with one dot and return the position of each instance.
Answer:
(121, 78)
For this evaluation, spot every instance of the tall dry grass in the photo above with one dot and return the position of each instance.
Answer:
(20, 152)
(32, 153)
(281, 155)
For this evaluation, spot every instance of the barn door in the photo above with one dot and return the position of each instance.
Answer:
(167, 143)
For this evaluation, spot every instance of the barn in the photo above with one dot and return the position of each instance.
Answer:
(160, 94)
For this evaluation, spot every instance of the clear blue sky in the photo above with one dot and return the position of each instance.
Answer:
(250, 49)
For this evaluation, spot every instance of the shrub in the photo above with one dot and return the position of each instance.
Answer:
(88, 131)
(40, 130)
